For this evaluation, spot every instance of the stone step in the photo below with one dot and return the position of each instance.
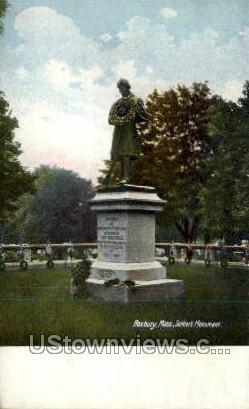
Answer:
(144, 291)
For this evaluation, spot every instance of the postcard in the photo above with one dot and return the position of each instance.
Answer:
(124, 211)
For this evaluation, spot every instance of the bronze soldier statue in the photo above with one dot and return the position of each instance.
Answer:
(124, 115)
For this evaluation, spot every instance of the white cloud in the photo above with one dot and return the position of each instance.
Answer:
(106, 37)
(59, 74)
(21, 73)
(92, 75)
(245, 33)
(125, 69)
(168, 12)
(48, 35)
(53, 137)
(37, 22)
(142, 84)
(232, 89)
(146, 44)
(149, 70)
(138, 25)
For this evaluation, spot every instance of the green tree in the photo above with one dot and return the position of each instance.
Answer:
(3, 8)
(224, 196)
(176, 145)
(58, 211)
(116, 173)
(242, 187)
(14, 178)
(241, 211)
(244, 101)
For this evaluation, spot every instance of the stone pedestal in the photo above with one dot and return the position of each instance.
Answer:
(126, 247)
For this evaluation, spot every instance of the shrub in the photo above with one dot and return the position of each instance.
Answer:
(111, 282)
(94, 253)
(41, 256)
(59, 253)
(81, 271)
(10, 257)
(115, 281)
(70, 252)
(130, 283)
(78, 253)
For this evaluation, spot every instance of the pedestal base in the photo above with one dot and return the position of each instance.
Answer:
(151, 270)
(144, 291)
(126, 247)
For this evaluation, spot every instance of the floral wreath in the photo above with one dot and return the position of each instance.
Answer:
(123, 111)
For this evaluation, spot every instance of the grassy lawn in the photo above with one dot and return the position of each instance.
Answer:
(38, 302)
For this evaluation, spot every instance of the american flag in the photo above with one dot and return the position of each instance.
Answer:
(48, 249)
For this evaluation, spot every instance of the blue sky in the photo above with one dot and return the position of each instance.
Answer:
(60, 60)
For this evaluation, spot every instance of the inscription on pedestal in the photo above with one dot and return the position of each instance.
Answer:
(106, 275)
(112, 237)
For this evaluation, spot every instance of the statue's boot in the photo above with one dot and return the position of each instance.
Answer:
(125, 170)
(107, 179)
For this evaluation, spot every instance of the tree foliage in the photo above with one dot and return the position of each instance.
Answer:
(224, 198)
(242, 209)
(59, 211)
(244, 101)
(3, 8)
(116, 173)
(176, 145)
(14, 179)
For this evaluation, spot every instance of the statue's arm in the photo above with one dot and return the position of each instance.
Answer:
(141, 114)
(111, 118)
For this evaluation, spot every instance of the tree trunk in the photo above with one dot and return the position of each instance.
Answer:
(188, 228)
